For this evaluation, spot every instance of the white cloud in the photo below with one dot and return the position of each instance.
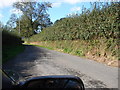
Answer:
(15, 11)
(57, 4)
(75, 1)
(72, 1)
(75, 9)
(1, 16)
(6, 3)
(63, 1)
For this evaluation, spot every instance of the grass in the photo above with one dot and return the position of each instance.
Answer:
(9, 52)
(40, 46)
(44, 47)
(98, 50)
(63, 46)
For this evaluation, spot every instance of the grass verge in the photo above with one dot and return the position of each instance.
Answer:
(44, 47)
(98, 50)
(9, 52)
(40, 46)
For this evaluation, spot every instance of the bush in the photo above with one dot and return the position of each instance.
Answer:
(90, 25)
(10, 39)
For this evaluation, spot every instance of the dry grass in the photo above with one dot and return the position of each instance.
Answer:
(95, 51)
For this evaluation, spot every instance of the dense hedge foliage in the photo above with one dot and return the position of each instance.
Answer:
(11, 45)
(102, 48)
(97, 27)
(100, 22)
(10, 39)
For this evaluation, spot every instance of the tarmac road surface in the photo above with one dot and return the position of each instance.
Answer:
(37, 61)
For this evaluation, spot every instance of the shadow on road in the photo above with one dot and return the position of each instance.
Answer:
(26, 59)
